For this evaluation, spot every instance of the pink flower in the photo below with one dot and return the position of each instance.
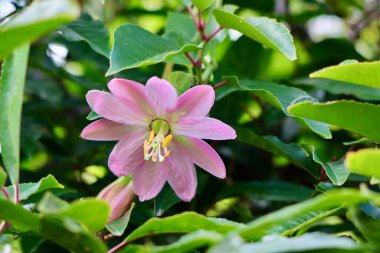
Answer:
(159, 134)
(119, 195)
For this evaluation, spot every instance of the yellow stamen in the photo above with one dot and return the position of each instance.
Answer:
(167, 140)
(151, 137)
(168, 153)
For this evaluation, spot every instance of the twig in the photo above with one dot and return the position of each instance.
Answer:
(192, 60)
(192, 15)
(5, 192)
(221, 84)
(118, 247)
(208, 38)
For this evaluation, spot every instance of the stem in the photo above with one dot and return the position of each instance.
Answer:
(167, 70)
(191, 59)
(221, 84)
(208, 38)
(3, 226)
(17, 193)
(118, 247)
(5, 192)
(192, 15)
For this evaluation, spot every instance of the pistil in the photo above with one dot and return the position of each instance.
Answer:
(156, 147)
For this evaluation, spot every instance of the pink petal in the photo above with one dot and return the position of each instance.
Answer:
(181, 174)
(162, 96)
(149, 179)
(203, 128)
(132, 91)
(196, 102)
(128, 154)
(112, 108)
(106, 130)
(203, 155)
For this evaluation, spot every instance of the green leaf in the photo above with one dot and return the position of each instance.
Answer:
(340, 114)
(18, 216)
(336, 171)
(28, 189)
(360, 73)
(91, 31)
(93, 116)
(51, 204)
(164, 200)
(11, 94)
(261, 29)
(3, 176)
(304, 243)
(291, 152)
(269, 190)
(182, 24)
(186, 222)
(136, 47)
(364, 162)
(281, 96)
(368, 226)
(41, 17)
(118, 227)
(301, 223)
(181, 81)
(338, 88)
(187, 243)
(203, 4)
(90, 211)
(327, 201)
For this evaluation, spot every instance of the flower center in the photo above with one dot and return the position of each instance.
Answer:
(156, 147)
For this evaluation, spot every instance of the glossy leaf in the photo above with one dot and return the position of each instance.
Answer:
(164, 200)
(269, 190)
(336, 170)
(340, 114)
(118, 227)
(12, 83)
(41, 17)
(266, 31)
(136, 47)
(63, 231)
(304, 243)
(291, 151)
(186, 243)
(181, 81)
(364, 162)
(339, 87)
(3, 176)
(28, 189)
(203, 4)
(91, 31)
(281, 96)
(186, 222)
(329, 200)
(367, 225)
(360, 73)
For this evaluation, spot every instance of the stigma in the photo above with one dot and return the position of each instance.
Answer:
(156, 146)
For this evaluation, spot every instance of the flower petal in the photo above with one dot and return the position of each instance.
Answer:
(131, 91)
(203, 155)
(106, 130)
(203, 128)
(196, 102)
(181, 174)
(162, 96)
(149, 179)
(128, 154)
(112, 108)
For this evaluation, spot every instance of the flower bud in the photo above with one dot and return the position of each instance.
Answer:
(119, 195)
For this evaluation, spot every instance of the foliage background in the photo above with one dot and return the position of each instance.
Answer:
(60, 72)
